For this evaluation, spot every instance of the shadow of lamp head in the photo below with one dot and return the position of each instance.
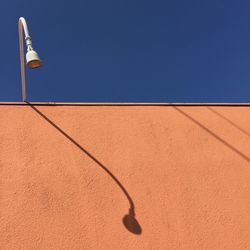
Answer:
(130, 222)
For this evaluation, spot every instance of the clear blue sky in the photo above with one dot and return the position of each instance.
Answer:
(129, 51)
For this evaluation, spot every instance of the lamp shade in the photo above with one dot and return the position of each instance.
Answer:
(32, 59)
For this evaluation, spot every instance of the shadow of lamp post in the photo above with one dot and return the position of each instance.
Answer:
(32, 59)
(129, 220)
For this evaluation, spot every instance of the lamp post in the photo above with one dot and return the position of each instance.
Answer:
(32, 59)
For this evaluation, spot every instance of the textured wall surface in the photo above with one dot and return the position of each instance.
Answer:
(79, 177)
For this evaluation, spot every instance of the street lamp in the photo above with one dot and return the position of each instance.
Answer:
(32, 59)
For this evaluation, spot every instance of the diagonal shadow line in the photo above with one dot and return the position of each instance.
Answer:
(129, 220)
(213, 134)
(229, 121)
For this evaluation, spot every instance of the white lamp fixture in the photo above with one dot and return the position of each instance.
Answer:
(32, 59)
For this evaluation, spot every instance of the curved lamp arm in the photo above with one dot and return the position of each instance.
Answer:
(32, 58)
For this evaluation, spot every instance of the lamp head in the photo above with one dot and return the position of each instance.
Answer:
(32, 59)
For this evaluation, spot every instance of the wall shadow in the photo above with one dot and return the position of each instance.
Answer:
(129, 220)
(245, 157)
(229, 121)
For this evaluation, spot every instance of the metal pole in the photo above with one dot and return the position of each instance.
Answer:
(22, 60)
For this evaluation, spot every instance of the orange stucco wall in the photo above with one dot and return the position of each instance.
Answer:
(112, 177)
